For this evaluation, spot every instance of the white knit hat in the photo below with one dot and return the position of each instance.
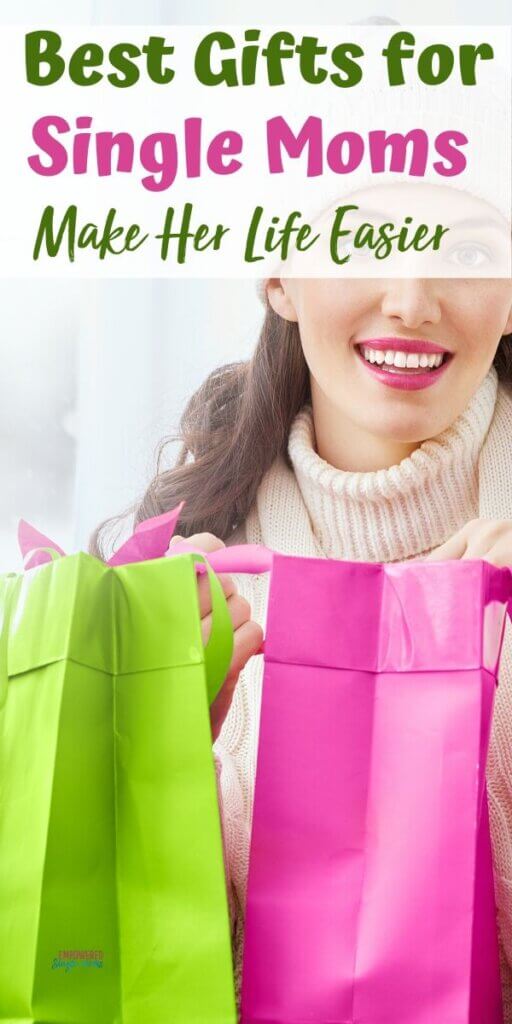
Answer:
(482, 114)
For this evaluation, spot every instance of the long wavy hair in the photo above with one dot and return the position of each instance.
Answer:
(230, 433)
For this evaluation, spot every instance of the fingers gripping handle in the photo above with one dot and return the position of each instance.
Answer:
(218, 650)
(249, 558)
(239, 558)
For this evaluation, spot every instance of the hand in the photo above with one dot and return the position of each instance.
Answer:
(248, 635)
(490, 539)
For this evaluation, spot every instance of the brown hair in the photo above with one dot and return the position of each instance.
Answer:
(232, 430)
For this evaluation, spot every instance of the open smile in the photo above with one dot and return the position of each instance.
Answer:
(404, 363)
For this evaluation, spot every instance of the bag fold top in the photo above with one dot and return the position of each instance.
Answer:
(61, 610)
(120, 620)
(378, 617)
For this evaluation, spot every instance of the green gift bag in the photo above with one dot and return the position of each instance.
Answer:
(113, 900)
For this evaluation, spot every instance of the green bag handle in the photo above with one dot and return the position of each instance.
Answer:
(218, 650)
(6, 613)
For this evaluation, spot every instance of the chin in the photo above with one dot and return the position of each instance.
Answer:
(408, 429)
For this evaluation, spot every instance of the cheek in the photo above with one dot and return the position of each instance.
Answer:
(326, 344)
(328, 320)
(479, 314)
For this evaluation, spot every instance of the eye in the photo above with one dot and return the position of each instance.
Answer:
(347, 248)
(470, 255)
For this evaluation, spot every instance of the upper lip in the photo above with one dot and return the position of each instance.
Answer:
(402, 344)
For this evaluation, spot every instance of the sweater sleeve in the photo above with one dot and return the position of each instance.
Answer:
(506, 981)
(229, 814)
(229, 887)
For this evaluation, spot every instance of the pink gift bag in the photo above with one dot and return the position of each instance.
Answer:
(370, 893)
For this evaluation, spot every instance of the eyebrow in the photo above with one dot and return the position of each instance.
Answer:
(360, 210)
(480, 222)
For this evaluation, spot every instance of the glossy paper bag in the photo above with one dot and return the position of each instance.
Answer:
(370, 894)
(112, 888)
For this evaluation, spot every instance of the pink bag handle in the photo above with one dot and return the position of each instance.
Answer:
(249, 558)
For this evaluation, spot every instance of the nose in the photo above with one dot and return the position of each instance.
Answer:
(412, 301)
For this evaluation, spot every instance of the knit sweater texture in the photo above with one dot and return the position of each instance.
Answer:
(312, 509)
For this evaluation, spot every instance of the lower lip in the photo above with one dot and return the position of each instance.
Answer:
(408, 381)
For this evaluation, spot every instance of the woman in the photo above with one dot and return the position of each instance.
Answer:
(373, 422)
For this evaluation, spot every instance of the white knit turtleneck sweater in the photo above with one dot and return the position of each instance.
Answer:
(395, 514)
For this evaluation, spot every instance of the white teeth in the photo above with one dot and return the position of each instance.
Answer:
(409, 360)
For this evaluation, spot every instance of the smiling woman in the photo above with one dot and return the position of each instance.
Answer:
(335, 440)
(341, 438)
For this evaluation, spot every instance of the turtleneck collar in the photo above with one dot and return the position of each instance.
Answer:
(400, 512)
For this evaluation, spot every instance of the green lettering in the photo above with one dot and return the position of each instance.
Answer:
(395, 53)
(426, 64)
(342, 57)
(43, 48)
(468, 58)
(156, 50)
(46, 233)
(90, 55)
(203, 60)
(337, 233)
(122, 57)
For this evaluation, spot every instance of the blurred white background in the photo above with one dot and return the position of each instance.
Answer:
(94, 374)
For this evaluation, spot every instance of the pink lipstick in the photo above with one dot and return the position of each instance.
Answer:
(407, 363)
